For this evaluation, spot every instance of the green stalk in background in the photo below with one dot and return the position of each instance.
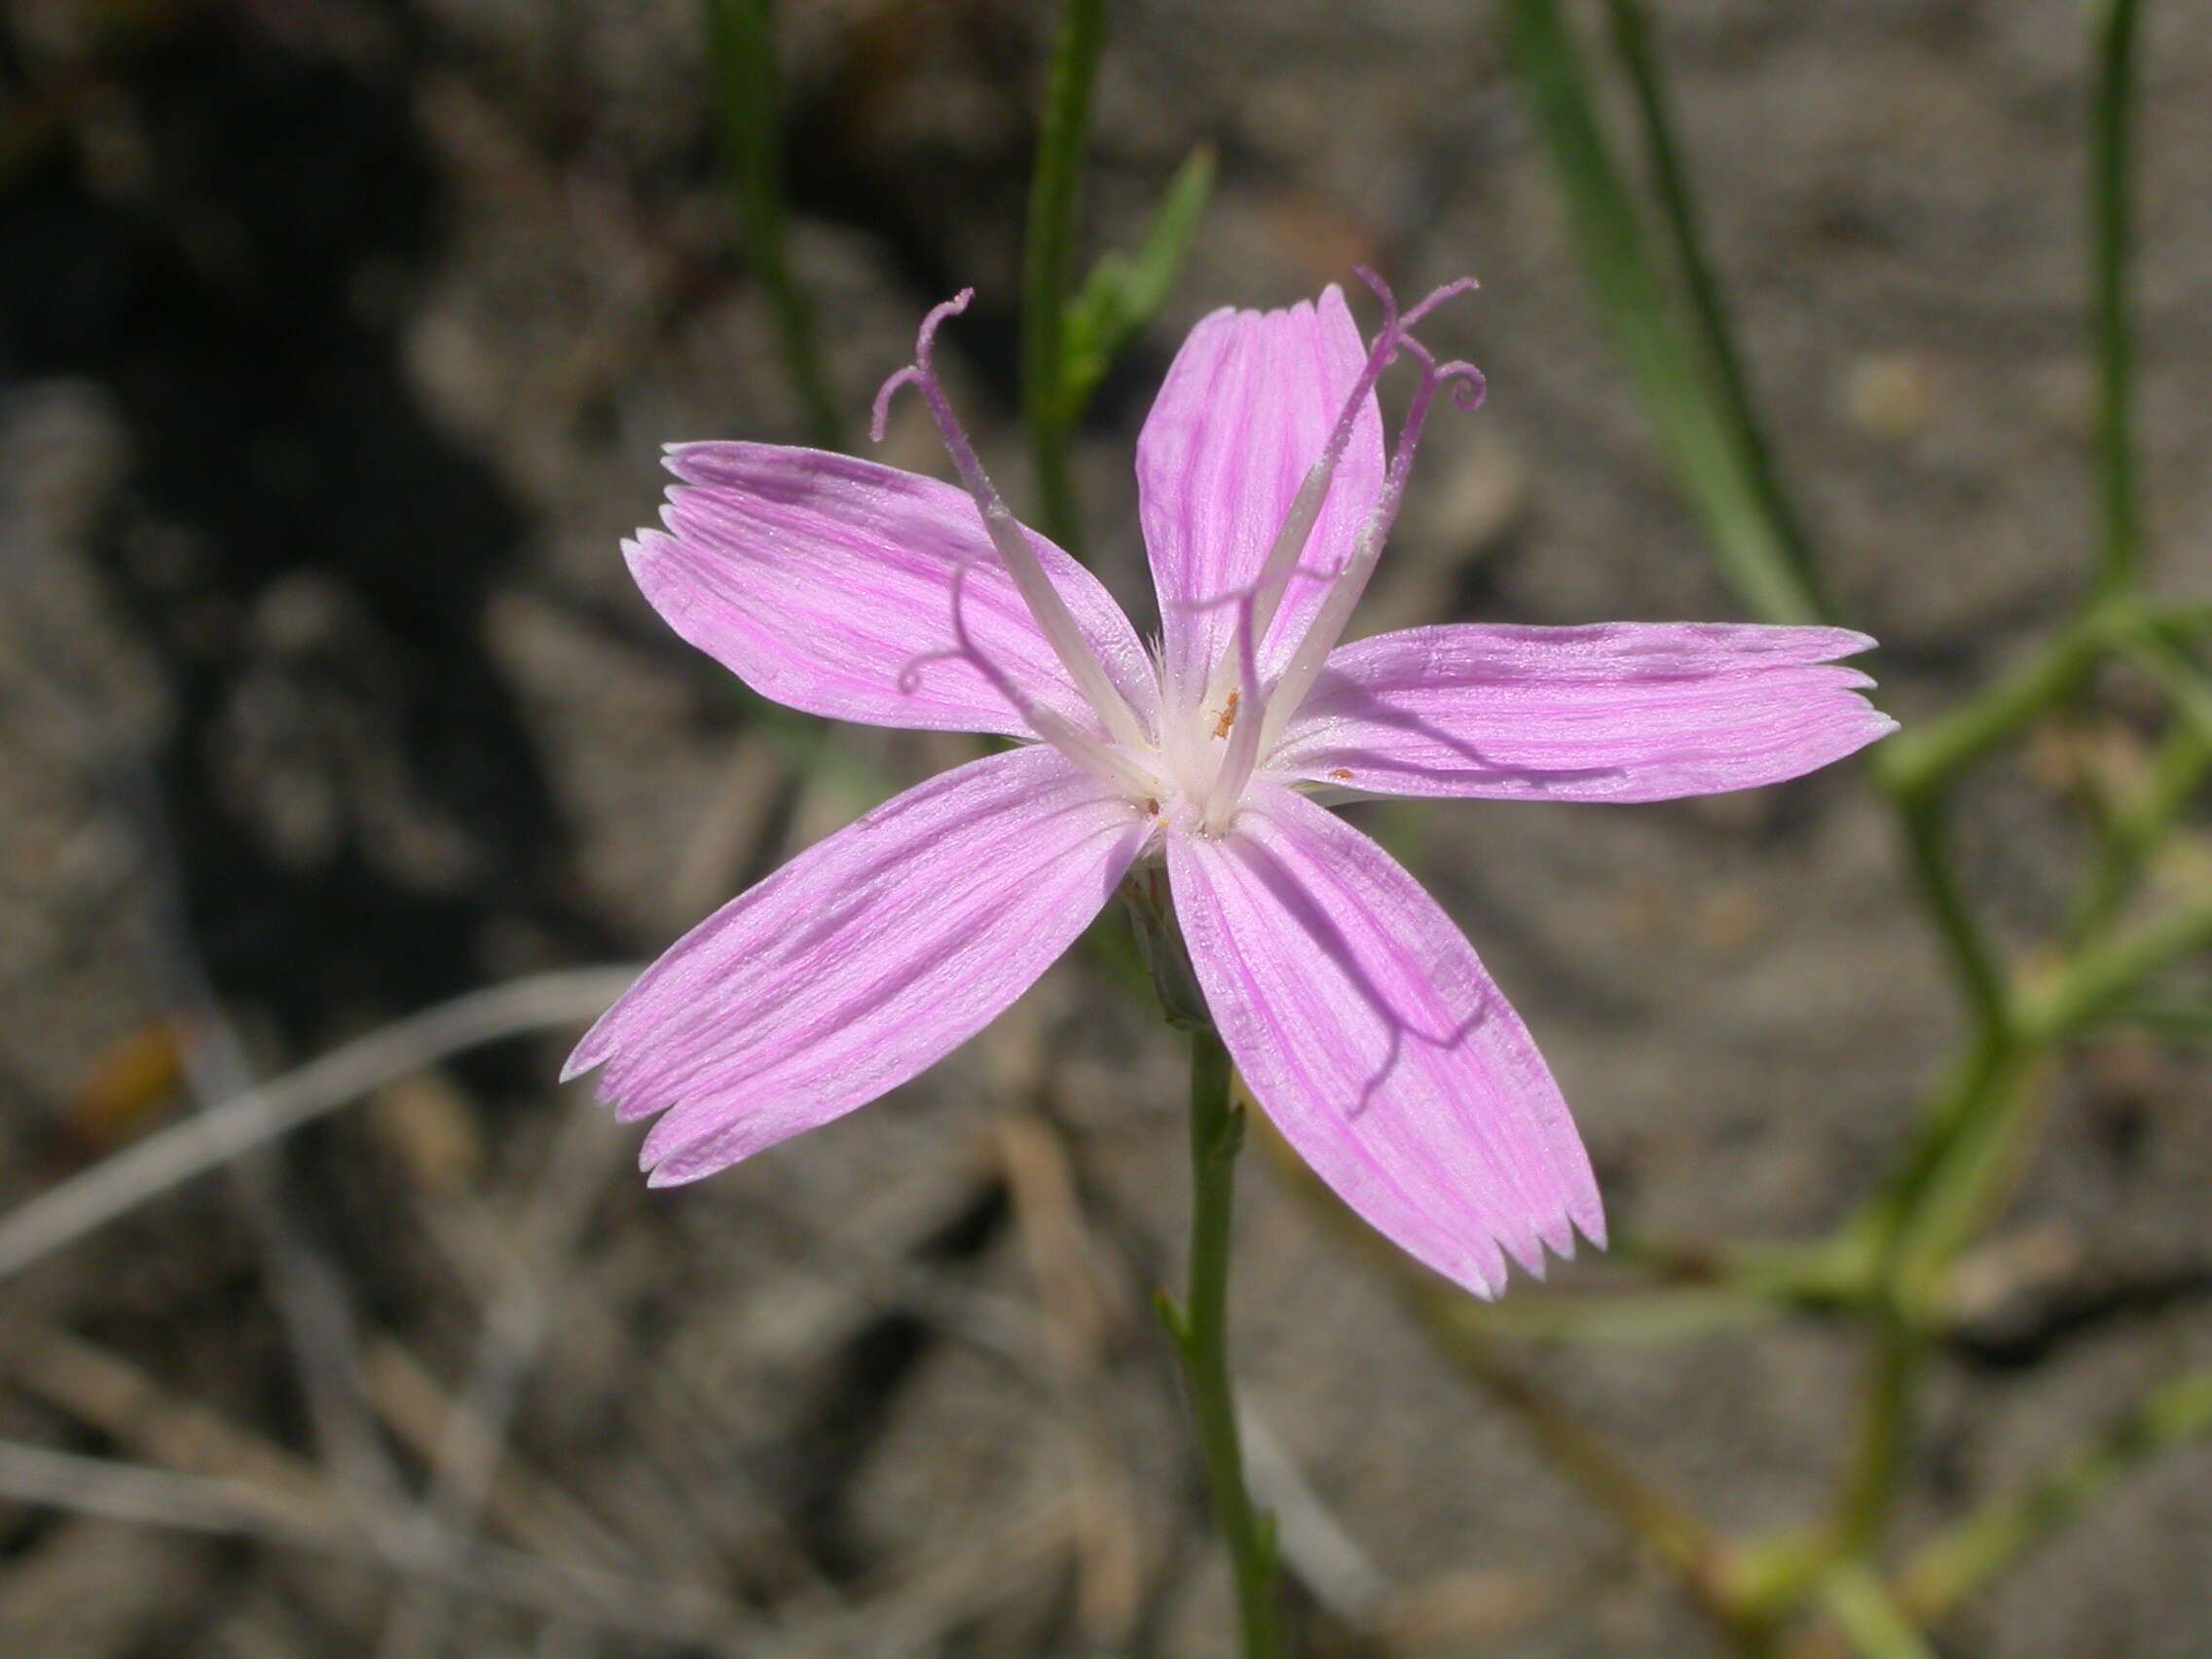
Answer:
(1958, 1561)
(1979, 1126)
(1678, 199)
(1055, 196)
(1870, 1620)
(1713, 458)
(741, 44)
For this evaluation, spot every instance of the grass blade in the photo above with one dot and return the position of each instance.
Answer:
(1055, 195)
(1679, 388)
(1678, 199)
(741, 44)
(1125, 291)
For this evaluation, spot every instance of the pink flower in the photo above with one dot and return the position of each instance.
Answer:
(1358, 1014)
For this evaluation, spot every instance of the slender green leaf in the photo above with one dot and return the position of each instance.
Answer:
(741, 42)
(1680, 391)
(1055, 199)
(1678, 199)
(1124, 291)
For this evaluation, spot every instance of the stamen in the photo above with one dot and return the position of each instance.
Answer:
(1102, 760)
(1283, 561)
(1263, 718)
(1466, 384)
(1047, 607)
(1242, 753)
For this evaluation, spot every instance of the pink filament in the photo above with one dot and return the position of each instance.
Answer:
(1046, 607)
(1262, 715)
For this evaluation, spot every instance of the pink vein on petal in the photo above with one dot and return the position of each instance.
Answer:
(825, 583)
(1373, 1037)
(1614, 712)
(863, 961)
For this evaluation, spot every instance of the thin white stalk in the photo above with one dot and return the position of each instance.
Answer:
(1046, 608)
(117, 1185)
(1306, 663)
(1057, 622)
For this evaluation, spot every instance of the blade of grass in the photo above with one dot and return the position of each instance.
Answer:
(1125, 291)
(1633, 44)
(2140, 822)
(1956, 1563)
(741, 44)
(1055, 194)
(1678, 389)
(1869, 1617)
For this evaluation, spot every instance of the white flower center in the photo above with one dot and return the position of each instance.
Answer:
(1195, 770)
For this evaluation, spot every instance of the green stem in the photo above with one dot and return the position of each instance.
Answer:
(1885, 1430)
(741, 42)
(1055, 193)
(1914, 762)
(2174, 665)
(1674, 383)
(1973, 957)
(1869, 1617)
(1677, 201)
(1950, 1157)
(1201, 1329)
(2112, 209)
(1956, 1563)
(1459, 1329)
(2108, 972)
(2138, 826)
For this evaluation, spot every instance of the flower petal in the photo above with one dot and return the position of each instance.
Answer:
(825, 583)
(866, 959)
(1619, 712)
(1369, 1031)
(1244, 414)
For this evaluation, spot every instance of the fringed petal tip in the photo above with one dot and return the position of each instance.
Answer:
(1556, 1238)
(861, 963)
(1374, 1042)
(665, 1168)
(851, 590)
(1611, 712)
(1795, 641)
